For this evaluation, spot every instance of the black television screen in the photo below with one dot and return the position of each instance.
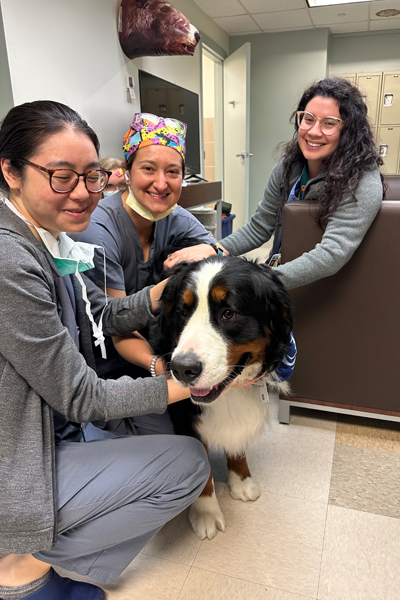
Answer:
(166, 99)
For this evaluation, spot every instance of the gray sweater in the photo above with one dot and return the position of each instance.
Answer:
(345, 230)
(41, 370)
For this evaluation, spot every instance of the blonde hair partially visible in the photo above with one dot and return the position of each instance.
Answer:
(110, 163)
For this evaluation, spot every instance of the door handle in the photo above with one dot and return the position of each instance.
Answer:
(244, 154)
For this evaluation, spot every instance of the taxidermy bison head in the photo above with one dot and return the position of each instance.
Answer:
(155, 27)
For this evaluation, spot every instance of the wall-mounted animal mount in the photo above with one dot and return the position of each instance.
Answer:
(154, 28)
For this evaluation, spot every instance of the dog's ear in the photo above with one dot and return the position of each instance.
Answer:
(277, 317)
(163, 330)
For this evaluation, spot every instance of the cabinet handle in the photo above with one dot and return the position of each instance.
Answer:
(383, 150)
(388, 100)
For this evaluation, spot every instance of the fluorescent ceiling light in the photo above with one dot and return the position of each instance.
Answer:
(313, 3)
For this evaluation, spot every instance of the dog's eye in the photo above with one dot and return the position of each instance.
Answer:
(183, 313)
(228, 314)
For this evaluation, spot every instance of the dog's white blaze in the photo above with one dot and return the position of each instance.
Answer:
(234, 421)
(200, 337)
(206, 517)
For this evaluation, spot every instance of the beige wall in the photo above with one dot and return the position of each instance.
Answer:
(209, 118)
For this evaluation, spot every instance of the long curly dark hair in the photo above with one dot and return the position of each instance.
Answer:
(355, 153)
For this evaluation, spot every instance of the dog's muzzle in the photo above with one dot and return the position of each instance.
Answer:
(187, 369)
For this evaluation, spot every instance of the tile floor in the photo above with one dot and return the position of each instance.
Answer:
(326, 527)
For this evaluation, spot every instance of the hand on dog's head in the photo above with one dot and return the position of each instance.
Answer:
(159, 271)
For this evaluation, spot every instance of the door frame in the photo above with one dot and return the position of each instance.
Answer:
(219, 111)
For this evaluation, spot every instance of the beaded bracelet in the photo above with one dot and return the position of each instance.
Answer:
(153, 366)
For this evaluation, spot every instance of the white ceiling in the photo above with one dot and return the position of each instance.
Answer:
(240, 17)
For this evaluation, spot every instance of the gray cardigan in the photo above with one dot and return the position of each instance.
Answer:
(345, 230)
(41, 369)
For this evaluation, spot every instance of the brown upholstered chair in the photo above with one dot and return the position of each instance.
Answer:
(347, 326)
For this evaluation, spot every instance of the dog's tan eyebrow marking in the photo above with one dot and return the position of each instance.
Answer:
(219, 293)
(188, 297)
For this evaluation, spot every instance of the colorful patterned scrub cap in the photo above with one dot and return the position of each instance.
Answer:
(148, 129)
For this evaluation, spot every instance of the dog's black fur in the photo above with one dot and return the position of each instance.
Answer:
(256, 295)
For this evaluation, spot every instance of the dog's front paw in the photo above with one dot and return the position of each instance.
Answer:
(206, 517)
(242, 489)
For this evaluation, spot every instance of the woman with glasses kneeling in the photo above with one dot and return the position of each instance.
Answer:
(134, 227)
(86, 507)
(333, 160)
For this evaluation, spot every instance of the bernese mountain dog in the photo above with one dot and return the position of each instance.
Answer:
(224, 321)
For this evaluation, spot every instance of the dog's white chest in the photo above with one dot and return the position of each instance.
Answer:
(234, 421)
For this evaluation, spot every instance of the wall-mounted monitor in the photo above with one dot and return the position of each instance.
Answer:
(166, 99)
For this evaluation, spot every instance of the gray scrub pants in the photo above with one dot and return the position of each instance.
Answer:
(115, 494)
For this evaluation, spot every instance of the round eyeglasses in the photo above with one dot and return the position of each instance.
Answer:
(65, 180)
(329, 125)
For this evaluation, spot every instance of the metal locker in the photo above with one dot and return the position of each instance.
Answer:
(351, 77)
(390, 99)
(369, 85)
(389, 145)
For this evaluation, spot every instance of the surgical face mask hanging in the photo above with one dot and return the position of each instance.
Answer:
(72, 258)
(141, 210)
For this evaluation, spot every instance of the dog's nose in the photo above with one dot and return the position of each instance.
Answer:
(186, 368)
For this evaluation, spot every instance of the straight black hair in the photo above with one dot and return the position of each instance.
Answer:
(27, 126)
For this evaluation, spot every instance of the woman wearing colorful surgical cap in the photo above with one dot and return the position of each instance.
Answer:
(71, 494)
(135, 226)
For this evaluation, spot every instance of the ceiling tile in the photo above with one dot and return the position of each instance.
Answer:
(378, 6)
(237, 24)
(348, 27)
(385, 24)
(221, 8)
(283, 20)
(260, 6)
(326, 15)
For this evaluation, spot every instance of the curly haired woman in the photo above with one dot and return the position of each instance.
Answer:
(331, 159)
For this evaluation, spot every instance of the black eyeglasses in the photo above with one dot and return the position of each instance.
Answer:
(65, 180)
